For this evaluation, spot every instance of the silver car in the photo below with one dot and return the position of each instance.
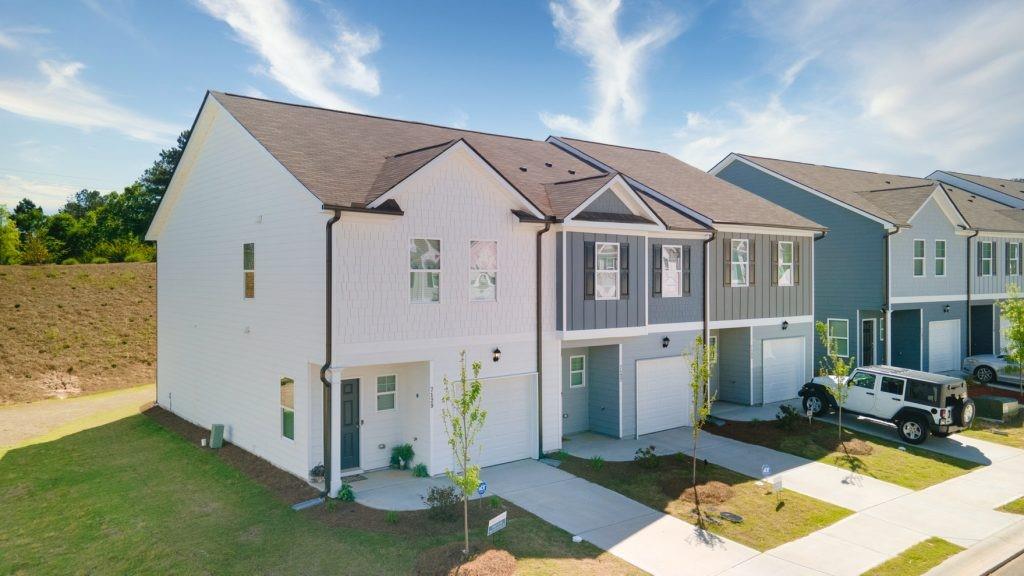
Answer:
(987, 368)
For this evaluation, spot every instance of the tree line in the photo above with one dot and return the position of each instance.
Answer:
(91, 227)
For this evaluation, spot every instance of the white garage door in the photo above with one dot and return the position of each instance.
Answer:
(783, 368)
(663, 395)
(509, 431)
(943, 345)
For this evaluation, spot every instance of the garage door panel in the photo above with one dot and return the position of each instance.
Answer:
(943, 345)
(664, 397)
(783, 368)
(507, 432)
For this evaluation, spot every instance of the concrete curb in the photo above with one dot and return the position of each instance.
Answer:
(986, 556)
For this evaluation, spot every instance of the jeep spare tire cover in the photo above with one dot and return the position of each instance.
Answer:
(965, 413)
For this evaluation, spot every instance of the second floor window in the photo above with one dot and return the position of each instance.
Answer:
(671, 271)
(919, 257)
(483, 270)
(606, 275)
(249, 269)
(739, 263)
(985, 258)
(1013, 259)
(839, 336)
(940, 257)
(785, 268)
(425, 270)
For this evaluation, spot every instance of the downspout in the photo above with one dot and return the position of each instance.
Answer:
(707, 298)
(886, 306)
(328, 305)
(540, 343)
(970, 331)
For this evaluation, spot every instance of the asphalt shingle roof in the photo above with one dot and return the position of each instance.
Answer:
(1011, 187)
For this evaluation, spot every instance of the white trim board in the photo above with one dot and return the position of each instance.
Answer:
(924, 299)
(644, 230)
(767, 230)
(751, 322)
(597, 333)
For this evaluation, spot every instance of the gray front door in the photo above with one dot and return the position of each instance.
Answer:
(867, 342)
(350, 423)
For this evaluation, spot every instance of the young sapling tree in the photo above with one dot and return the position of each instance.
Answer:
(463, 419)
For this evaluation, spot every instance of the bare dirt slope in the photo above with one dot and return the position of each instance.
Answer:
(70, 330)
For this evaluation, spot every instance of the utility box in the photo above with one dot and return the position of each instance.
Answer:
(217, 436)
(997, 407)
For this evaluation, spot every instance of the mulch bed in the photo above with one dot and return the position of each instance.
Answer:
(447, 561)
(290, 490)
(975, 390)
(854, 447)
(713, 492)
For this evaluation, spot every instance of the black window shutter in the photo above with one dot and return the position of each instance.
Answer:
(752, 258)
(726, 262)
(1006, 259)
(588, 270)
(977, 258)
(686, 270)
(796, 263)
(624, 271)
(656, 270)
(774, 272)
(995, 258)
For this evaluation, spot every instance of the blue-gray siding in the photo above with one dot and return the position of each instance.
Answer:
(759, 334)
(644, 348)
(999, 280)
(762, 299)
(585, 314)
(686, 308)
(608, 203)
(910, 330)
(929, 224)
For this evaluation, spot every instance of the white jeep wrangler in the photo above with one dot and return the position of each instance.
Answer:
(918, 403)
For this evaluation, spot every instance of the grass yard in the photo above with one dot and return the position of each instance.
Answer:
(67, 330)
(912, 467)
(767, 521)
(1008, 433)
(135, 497)
(917, 559)
(1015, 507)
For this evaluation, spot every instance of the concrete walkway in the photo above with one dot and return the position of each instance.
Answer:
(822, 481)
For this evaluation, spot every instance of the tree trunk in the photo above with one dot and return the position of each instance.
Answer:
(696, 493)
(465, 524)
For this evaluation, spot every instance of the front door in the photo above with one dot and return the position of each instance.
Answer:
(860, 394)
(350, 423)
(867, 342)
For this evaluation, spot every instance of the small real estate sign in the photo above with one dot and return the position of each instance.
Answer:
(497, 523)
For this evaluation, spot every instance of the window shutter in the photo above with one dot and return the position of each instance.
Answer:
(995, 258)
(977, 258)
(686, 270)
(656, 270)
(1020, 245)
(588, 270)
(796, 263)
(752, 258)
(774, 272)
(726, 262)
(1006, 259)
(623, 271)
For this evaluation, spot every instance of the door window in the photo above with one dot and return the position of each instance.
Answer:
(863, 380)
(892, 385)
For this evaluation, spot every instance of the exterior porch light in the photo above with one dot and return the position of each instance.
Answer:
(664, 342)
(496, 354)
(946, 308)
(785, 324)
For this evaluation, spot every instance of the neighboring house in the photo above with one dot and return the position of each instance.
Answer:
(893, 273)
(759, 294)
(1002, 190)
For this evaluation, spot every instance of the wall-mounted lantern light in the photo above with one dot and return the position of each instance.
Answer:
(664, 342)
(946, 308)
(785, 324)
(496, 355)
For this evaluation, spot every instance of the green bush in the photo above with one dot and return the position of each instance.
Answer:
(401, 456)
(391, 517)
(597, 463)
(495, 502)
(420, 470)
(788, 418)
(99, 260)
(442, 502)
(125, 250)
(70, 261)
(137, 257)
(646, 458)
(346, 494)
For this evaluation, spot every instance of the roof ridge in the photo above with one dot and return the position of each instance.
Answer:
(930, 184)
(831, 167)
(612, 145)
(375, 117)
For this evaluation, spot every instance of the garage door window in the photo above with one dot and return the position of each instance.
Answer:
(577, 371)
(839, 336)
(386, 392)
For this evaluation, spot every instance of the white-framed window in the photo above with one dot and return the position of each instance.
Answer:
(249, 270)
(940, 258)
(985, 257)
(577, 371)
(671, 271)
(839, 335)
(606, 275)
(424, 270)
(1013, 259)
(739, 262)
(387, 392)
(919, 258)
(713, 350)
(288, 408)
(784, 274)
(483, 270)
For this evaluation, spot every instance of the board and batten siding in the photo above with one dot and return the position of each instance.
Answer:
(999, 280)
(685, 308)
(761, 299)
(583, 314)
(929, 224)
(221, 357)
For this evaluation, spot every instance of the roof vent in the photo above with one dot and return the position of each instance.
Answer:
(548, 164)
(572, 171)
(887, 182)
(1002, 185)
(522, 168)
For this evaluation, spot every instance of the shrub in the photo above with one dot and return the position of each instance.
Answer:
(401, 456)
(391, 517)
(442, 502)
(646, 458)
(420, 470)
(99, 260)
(136, 257)
(69, 261)
(121, 249)
(597, 463)
(495, 502)
(317, 473)
(788, 417)
(346, 494)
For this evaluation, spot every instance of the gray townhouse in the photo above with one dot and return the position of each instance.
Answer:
(911, 269)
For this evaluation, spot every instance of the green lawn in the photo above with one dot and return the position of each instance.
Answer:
(768, 521)
(1008, 433)
(900, 464)
(917, 559)
(131, 497)
(1016, 507)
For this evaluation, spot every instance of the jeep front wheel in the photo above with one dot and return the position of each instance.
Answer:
(913, 430)
(815, 404)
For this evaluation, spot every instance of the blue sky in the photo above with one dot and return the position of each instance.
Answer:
(90, 91)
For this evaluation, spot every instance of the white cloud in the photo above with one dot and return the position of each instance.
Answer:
(309, 71)
(617, 63)
(49, 195)
(891, 87)
(7, 41)
(61, 97)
